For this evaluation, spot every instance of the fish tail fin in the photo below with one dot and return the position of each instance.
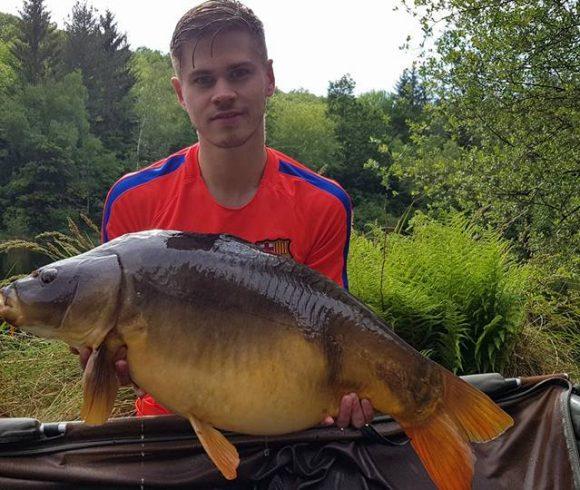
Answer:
(443, 450)
(478, 415)
(442, 441)
(100, 386)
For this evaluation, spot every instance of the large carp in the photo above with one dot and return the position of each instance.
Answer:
(238, 339)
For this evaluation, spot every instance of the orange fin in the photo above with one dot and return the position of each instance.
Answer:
(100, 386)
(444, 452)
(221, 451)
(442, 441)
(478, 415)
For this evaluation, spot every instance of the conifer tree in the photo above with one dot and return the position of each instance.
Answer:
(82, 53)
(37, 46)
(102, 54)
(116, 119)
(409, 102)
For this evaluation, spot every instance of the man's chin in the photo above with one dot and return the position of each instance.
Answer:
(233, 139)
(231, 142)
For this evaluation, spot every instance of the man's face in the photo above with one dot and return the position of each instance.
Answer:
(225, 93)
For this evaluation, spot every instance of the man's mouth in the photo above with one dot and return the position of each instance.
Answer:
(227, 115)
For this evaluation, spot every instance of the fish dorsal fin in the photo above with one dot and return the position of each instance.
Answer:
(100, 385)
(221, 451)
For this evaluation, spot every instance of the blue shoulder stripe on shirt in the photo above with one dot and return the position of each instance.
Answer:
(332, 188)
(142, 177)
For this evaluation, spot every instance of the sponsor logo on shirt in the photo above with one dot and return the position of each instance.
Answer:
(277, 246)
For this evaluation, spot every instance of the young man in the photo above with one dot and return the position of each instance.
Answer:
(230, 182)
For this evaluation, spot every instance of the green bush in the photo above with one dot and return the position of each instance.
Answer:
(550, 338)
(449, 288)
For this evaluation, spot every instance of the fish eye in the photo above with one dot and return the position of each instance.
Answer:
(48, 275)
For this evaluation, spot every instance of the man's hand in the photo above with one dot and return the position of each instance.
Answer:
(353, 412)
(121, 366)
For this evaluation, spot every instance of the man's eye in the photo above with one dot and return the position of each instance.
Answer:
(203, 81)
(239, 73)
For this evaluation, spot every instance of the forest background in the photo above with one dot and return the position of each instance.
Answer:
(464, 179)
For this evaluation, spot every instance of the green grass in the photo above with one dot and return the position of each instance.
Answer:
(550, 338)
(42, 379)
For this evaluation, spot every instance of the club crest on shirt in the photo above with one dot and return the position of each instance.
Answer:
(277, 246)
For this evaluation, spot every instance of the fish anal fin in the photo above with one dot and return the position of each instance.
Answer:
(221, 451)
(444, 452)
(100, 386)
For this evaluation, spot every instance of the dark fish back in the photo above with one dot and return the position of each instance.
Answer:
(223, 271)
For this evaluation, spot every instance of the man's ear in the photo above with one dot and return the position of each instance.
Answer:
(270, 79)
(177, 89)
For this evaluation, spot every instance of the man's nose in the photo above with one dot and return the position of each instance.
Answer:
(223, 93)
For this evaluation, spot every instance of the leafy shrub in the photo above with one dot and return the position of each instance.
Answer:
(450, 289)
(550, 338)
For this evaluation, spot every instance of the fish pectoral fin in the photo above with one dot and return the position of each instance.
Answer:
(100, 386)
(221, 451)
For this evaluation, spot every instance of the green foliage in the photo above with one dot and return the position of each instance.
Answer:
(450, 289)
(56, 245)
(505, 77)
(365, 135)
(95, 47)
(163, 126)
(550, 339)
(8, 64)
(400, 111)
(51, 164)
(8, 75)
(356, 126)
(115, 121)
(37, 44)
(298, 125)
(409, 103)
(8, 26)
(37, 378)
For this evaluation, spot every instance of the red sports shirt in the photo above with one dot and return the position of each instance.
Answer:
(295, 212)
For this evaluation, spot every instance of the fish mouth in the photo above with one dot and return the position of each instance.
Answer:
(9, 311)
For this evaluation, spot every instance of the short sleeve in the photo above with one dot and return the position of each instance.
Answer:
(329, 252)
(123, 213)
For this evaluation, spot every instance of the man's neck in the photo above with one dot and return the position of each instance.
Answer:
(232, 175)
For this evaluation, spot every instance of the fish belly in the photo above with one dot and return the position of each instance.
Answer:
(268, 386)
